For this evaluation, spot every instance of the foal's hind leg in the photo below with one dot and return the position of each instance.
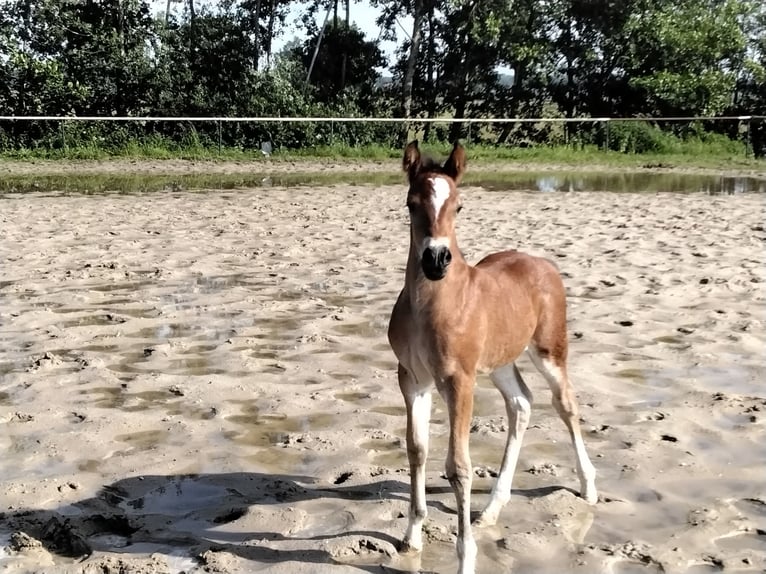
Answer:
(518, 405)
(554, 369)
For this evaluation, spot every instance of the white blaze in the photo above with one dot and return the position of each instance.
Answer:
(441, 191)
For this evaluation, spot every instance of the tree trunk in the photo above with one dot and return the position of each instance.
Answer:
(345, 48)
(335, 15)
(257, 35)
(167, 12)
(193, 26)
(463, 93)
(412, 60)
(431, 57)
(270, 32)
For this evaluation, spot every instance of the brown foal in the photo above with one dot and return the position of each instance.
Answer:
(452, 320)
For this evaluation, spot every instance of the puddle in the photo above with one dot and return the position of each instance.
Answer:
(281, 460)
(365, 329)
(122, 286)
(90, 465)
(119, 398)
(274, 429)
(391, 411)
(384, 445)
(352, 397)
(549, 181)
(143, 440)
(740, 542)
(87, 321)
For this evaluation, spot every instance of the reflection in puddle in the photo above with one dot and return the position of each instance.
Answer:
(744, 541)
(270, 429)
(560, 181)
(390, 410)
(143, 440)
(352, 397)
(119, 398)
(87, 321)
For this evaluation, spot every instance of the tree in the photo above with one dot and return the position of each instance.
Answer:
(327, 78)
(690, 55)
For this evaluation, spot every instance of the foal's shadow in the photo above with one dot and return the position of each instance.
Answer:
(190, 514)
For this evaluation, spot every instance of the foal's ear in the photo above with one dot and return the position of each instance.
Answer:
(411, 159)
(455, 164)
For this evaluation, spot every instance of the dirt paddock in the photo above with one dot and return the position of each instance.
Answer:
(196, 381)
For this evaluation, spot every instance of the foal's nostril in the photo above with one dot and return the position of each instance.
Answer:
(435, 262)
(429, 258)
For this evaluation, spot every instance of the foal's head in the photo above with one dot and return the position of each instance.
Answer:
(433, 202)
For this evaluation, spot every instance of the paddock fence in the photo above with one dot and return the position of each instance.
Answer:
(745, 133)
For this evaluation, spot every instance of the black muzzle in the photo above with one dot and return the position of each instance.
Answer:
(435, 262)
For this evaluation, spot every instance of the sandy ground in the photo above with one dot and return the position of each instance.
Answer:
(120, 166)
(201, 382)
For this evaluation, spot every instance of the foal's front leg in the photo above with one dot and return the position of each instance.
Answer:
(417, 399)
(457, 392)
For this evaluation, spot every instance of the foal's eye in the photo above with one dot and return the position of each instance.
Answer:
(459, 208)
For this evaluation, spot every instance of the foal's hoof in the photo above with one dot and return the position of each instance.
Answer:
(590, 495)
(485, 519)
(406, 547)
(488, 516)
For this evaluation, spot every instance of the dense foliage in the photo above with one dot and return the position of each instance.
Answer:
(621, 58)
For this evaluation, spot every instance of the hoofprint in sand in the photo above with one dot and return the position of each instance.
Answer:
(202, 380)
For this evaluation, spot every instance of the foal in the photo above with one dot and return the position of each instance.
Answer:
(452, 320)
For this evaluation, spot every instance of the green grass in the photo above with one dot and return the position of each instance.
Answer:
(682, 155)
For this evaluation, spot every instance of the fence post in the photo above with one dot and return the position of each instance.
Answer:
(220, 143)
(63, 135)
(469, 132)
(606, 143)
(748, 141)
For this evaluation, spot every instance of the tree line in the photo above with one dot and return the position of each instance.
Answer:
(569, 58)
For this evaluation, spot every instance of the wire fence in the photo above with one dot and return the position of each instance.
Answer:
(625, 134)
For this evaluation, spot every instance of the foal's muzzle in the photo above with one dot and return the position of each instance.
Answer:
(435, 261)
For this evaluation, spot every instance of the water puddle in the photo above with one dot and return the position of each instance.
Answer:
(356, 397)
(143, 440)
(390, 411)
(548, 181)
(274, 429)
(87, 321)
(745, 541)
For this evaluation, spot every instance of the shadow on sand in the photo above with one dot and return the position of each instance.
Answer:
(188, 515)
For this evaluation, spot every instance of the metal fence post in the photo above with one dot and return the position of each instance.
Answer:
(469, 131)
(220, 143)
(606, 143)
(63, 135)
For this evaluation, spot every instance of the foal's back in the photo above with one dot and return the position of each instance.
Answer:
(531, 300)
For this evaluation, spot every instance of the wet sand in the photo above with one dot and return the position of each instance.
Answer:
(285, 165)
(201, 382)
